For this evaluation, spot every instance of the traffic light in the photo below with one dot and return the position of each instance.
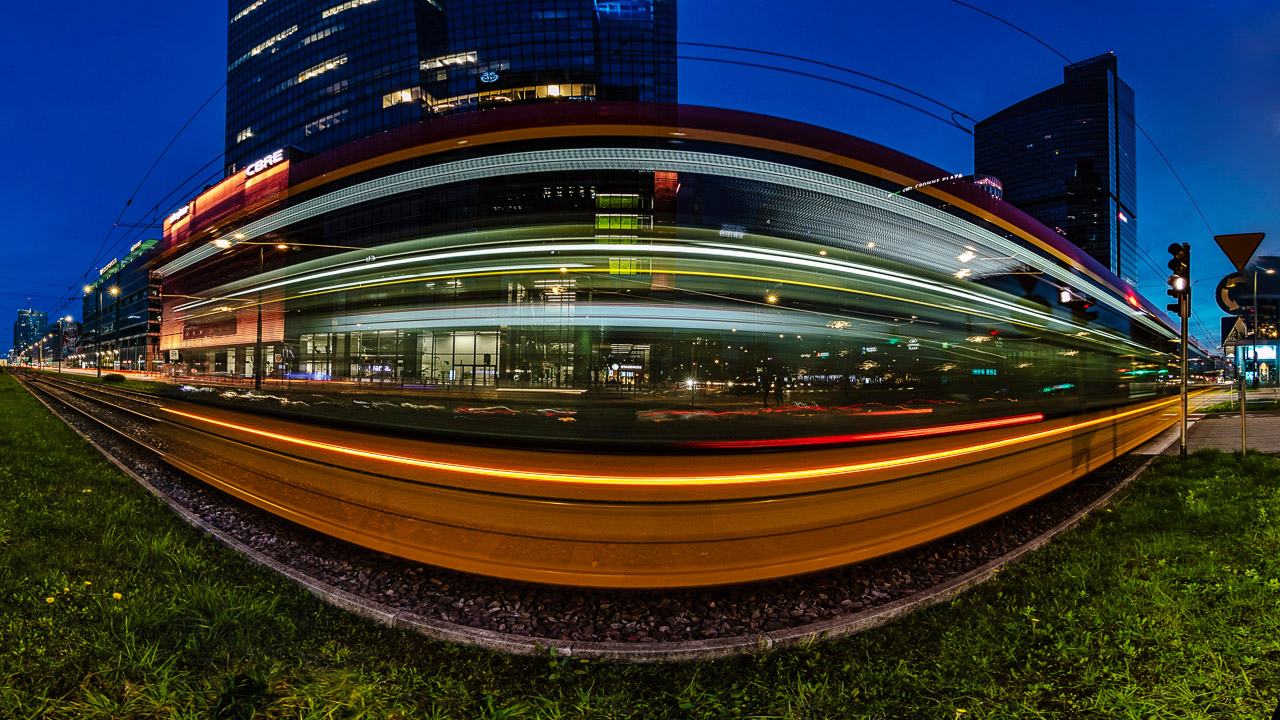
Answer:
(1180, 280)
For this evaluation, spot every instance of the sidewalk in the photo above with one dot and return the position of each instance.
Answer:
(1220, 432)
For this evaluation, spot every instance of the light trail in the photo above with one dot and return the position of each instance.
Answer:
(620, 480)
(867, 437)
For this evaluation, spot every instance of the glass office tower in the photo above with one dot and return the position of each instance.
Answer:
(317, 74)
(27, 329)
(504, 52)
(1066, 157)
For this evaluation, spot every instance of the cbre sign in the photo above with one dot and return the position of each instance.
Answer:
(261, 164)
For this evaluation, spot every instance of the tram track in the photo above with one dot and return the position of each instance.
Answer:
(543, 517)
(620, 624)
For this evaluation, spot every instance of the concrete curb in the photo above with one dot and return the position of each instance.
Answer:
(683, 650)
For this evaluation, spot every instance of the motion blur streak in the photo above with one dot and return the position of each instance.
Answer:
(672, 480)
(866, 437)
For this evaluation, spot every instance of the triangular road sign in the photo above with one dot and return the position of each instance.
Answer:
(1239, 248)
(1238, 332)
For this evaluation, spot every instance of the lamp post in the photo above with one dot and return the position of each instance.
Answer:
(238, 239)
(62, 336)
(1257, 325)
(257, 346)
(115, 327)
(97, 330)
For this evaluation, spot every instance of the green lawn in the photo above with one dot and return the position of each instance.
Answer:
(1234, 406)
(1167, 606)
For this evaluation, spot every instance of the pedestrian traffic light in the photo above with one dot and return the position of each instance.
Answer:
(1180, 280)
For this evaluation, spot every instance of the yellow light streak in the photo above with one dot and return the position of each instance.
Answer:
(741, 479)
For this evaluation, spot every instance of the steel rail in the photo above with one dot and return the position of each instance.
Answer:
(434, 502)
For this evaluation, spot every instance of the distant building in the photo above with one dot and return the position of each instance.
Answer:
(59, 340)
(27, 330)
(317, 75)
(128, 332)
(1066, 157)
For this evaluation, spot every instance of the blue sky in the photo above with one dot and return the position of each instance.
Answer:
(94, 92)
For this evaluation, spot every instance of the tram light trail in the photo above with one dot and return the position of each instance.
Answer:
(726, 479)
(876, 436)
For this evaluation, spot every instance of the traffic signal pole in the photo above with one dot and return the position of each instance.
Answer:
(1180, 290)
(1186, 311)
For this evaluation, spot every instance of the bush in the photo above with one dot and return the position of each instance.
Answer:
(113, 378)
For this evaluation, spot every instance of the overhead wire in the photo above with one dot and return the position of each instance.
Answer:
(99, 254)
(824, 78)
(1044, 172)
(1136, 124)
(134, 231)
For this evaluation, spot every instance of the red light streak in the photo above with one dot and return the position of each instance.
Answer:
(867, 437)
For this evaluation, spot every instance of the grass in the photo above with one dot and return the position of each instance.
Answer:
(1234, 407)
(1165, 606)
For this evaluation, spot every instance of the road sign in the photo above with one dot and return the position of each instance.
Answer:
(1238, 332)
(1239, 248)
(1229, 289)
(173, 356)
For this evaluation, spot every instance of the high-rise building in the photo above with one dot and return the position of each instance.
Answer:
(1066, 157)
(126, 332)
(27, 329)
(317, 74)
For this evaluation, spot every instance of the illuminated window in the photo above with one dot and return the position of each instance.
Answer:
(248, 10)
(446, 60)
(402, 96)
(326, 122)
(621, 221)
(624, 9)
(629, 266)
(323, 67)
(606, 201)
(321, 34)
(344, 7)
(535, 92)
(244, 134)
(264, 45)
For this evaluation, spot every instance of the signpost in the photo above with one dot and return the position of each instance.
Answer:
(1239, 249)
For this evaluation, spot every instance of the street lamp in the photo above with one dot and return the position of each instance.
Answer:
(62, 336)
(237, 239)
(1257, 326)
(115, 327)
(97, 330)
(224, 243)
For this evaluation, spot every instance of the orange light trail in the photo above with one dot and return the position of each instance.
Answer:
(748, 478)
(867, 437)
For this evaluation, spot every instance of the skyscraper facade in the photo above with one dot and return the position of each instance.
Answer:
(27, 329)
(1066, 156)
(319, 73)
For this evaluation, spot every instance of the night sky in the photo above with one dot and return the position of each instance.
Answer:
(95, 91)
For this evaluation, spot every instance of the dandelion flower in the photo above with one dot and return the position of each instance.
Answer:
(86, 582)
(48, 600)
(115, 596)
(66, 589)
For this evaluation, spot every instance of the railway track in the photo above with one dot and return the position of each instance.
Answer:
(615, 521)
